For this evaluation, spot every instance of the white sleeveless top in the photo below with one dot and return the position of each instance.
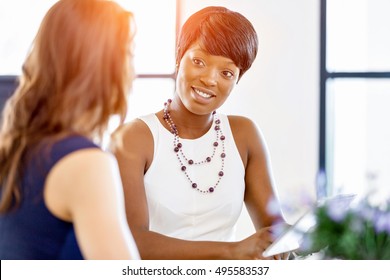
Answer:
(175, 208)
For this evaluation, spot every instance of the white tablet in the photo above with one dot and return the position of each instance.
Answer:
(291, 239)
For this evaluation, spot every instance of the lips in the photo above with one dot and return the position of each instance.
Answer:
(204, 93)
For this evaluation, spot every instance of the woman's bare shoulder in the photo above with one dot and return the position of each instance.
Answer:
(130, 135)
(241, 124)
(129, 128)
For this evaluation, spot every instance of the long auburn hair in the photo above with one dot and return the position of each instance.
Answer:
(76, 76)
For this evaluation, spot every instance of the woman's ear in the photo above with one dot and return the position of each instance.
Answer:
(177, 58)
(177, 67)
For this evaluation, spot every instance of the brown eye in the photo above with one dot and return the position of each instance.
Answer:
(228, 74)
(198, 62)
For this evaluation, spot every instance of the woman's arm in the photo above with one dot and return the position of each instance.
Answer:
(260, 190)
(259, 185)
(260, 193)
(85, 188)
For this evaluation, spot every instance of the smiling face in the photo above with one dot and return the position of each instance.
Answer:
(205, 81)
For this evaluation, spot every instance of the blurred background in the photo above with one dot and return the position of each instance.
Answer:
(319, 89)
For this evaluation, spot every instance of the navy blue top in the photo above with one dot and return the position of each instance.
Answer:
(30, 231)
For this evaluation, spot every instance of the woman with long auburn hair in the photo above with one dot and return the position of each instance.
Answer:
(60, 193)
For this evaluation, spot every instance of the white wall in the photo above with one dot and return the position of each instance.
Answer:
(281, 92)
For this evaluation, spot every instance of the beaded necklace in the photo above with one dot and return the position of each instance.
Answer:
(186, 162)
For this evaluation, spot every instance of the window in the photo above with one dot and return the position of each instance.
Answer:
(20, 20)
(154, 54)
(355, 94)
(154, 46)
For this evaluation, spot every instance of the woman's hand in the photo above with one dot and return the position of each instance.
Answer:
(252, 248)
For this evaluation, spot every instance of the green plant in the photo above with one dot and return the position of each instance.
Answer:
(361, 232)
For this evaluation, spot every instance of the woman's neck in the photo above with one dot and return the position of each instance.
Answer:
(189, 125)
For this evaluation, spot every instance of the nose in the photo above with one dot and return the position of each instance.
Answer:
(209, 77)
